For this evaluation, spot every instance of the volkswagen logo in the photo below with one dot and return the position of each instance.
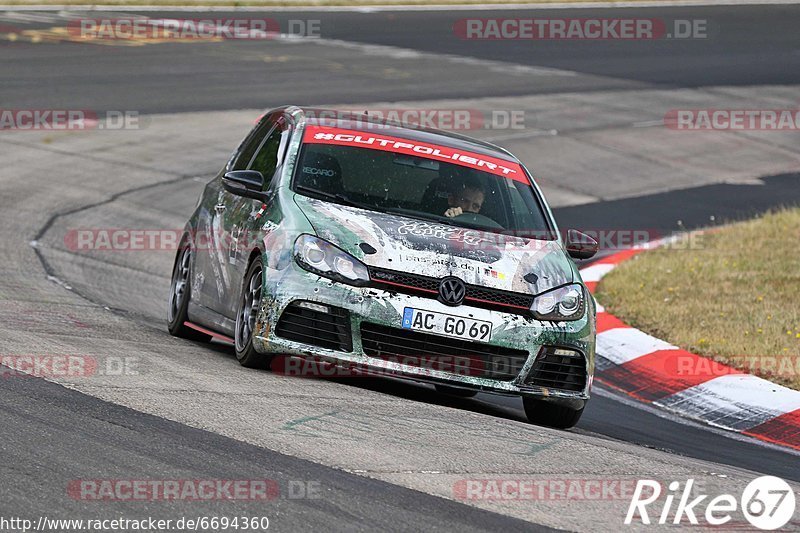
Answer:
(452, 291)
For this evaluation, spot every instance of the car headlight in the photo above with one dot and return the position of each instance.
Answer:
(564, 303)
(323, 258)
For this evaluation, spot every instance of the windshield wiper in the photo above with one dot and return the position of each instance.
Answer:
(438, 219)
(410, 213)
(339, 198)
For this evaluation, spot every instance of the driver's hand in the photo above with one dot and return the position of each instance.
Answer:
(453, 212)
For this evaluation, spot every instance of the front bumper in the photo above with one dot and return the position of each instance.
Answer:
(385, 308)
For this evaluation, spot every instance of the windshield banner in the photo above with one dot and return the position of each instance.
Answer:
(343, 137)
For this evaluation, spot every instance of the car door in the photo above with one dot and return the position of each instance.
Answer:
(213, 285)
(243, 217)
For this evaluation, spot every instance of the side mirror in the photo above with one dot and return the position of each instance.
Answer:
(247, 183)
(580, 246)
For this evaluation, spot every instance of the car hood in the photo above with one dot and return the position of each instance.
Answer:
(431, 249)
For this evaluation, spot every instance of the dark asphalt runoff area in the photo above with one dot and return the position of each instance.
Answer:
(745, 45)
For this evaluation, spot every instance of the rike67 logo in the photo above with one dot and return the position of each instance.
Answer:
(767, 503)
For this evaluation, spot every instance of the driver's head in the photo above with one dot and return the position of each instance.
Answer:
(468, 195)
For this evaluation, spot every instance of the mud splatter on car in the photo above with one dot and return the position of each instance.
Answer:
(384, 248)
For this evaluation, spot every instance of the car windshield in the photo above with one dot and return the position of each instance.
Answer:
(420, 187)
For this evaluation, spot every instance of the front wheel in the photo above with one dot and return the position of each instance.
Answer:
(179, 295)
(246, 314)
(555, 415)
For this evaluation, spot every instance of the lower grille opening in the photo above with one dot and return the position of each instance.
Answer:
(309, 323)
(435, 352)
(554, 370)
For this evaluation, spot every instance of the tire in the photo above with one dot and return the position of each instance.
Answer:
(551, 414)
(246, 314)
(455, 391)
(180, 290)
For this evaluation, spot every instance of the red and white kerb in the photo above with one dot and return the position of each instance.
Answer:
(342, 137)
(654, 371)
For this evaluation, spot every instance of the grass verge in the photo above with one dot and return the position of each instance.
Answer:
(733, 296)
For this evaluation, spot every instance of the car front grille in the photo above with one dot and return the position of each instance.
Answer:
(435, 352)
(561, 372)
(477, 296)
(329, 330)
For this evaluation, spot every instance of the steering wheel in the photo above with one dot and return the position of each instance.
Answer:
(477, 219)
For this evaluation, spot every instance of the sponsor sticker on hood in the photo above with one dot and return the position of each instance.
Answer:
(343, 137)
(420, 247)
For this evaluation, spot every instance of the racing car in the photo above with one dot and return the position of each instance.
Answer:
(389, 249)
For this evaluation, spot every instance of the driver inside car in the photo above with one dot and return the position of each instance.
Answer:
(465, 198)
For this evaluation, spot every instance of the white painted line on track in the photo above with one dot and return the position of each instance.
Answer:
(648, 123)
(522, 135)
(397, 52)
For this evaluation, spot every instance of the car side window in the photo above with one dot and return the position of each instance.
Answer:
(266, 161)
(527, 219)
(271, 153)
(252, 144)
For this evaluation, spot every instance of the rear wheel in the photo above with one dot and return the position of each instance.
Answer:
(556, 415)
(179, 295)
(455, 391)
(246, 314)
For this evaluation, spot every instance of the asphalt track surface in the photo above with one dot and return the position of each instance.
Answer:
(754, 45)
(89, 431)
(746, 45)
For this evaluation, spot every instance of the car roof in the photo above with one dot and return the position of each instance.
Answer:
(369, 123)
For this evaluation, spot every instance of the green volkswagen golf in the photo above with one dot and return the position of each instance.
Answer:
(388, 249)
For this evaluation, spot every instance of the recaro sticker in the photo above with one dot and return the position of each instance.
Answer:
(342, 137)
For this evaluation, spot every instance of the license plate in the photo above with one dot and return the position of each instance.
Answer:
(448, 325)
